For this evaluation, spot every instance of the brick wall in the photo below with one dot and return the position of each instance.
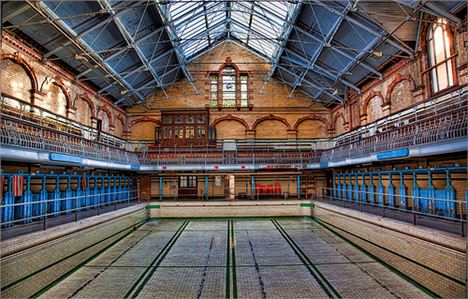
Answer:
(48, 86)
(32, 262)
(275, 113)
(434, 259)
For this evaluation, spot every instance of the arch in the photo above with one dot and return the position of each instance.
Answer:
(86, 99)
(335, 118)
(18, 59)
(369, 97)
(271, 117)
(312, 117)
(399, 78)
(145, 119)
(230, 117)
(228, 63)
(121, 119)
(145, 134)
(64, 89)
(109, 114)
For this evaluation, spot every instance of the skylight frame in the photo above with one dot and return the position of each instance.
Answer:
(258, 25)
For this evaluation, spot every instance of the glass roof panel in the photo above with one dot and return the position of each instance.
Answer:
(258, 25)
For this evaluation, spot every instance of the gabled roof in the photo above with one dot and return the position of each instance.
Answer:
(131, 49)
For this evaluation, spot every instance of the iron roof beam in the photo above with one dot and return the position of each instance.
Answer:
(327, 40)
(317, 68)
(41, 8)
(340, 51)
(127, 74)
(131, 43)
(135, 43)
(284, 39)
(174, 38)
(397, 44)
(435, 9)
(339, 100)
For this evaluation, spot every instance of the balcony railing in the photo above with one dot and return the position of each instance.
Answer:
(21, 133)
(444, 120)
(448, 126)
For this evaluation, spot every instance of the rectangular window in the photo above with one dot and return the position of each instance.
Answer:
(188, 181)
(189, 132)
(201, 132)
(167, 133)
(213, 91)
(179, 132)
(244, 90)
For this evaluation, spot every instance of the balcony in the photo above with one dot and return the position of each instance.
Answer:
(435, 123)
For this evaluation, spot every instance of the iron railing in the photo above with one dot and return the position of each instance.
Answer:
(21, 133)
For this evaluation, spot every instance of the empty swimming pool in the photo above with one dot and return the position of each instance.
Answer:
(239, 258)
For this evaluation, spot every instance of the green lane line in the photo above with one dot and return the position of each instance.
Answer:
(324, 283)
(401, 256)
(306, 205)
(146, 275)
(386, 265)
(228, 270)
(61, 278)
(233, 256)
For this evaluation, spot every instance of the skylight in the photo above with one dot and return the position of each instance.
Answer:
(258, 24)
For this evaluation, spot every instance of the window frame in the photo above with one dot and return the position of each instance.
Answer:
(218, 76)
(449, 61)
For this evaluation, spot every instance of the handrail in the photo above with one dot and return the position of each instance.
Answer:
(450, 123)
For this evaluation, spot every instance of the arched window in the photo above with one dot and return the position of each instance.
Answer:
(229, 88)
(439, 46)
(229, 83)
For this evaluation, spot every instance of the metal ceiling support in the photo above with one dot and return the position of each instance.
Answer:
(146, 84)
(433, 8)
(340, 51)
(339, 100)
(128, 73)
(41, 8)
(317, 68)
(135, 43)
(284, 39)
(23, 8)
(131, 43)
(171, 32)
(399, 45)
(441, 12)
(300, 90)
(327, 40)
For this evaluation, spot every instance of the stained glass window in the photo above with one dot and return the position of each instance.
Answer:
(229, 76)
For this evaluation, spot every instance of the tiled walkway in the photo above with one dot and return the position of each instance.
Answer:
(268, 258)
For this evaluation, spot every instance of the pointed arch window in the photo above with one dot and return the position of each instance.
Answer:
(229, 87)
(440, 56)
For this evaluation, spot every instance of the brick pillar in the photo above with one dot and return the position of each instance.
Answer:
(93, 122)
(418, 94)
(36, 97)
(292, 134)
(363, 119)
(250, 134)
(145, 188)
(386, 109)
(126, 134)
(70, 112)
